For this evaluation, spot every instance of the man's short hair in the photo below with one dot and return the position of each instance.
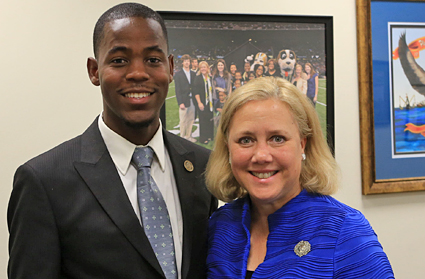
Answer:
(125, 10)
(186, 57)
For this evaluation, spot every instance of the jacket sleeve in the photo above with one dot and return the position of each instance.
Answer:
(177, 86)
(198, 86)
(358, 253)
(34, 248)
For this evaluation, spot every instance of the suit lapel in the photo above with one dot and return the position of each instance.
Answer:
(100, 174)
(184, 180)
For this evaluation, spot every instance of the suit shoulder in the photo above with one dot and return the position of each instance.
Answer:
(178, 74)
(62, 154)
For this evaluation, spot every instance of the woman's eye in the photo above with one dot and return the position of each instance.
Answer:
(245, 140)
(278, 139)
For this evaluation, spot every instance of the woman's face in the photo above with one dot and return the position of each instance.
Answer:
(251, 76)
(259, 71)
(266, 151)
(307, 69)
(271, 65)
(233, 69)
(221, 96)
(204, 69)
(298, 71)
(220, 67)
(247, 67)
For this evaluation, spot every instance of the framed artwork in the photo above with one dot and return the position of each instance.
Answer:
(391, 37)
(235, 47)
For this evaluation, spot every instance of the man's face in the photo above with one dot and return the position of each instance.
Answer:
(133, 71)
(194, 64)
(186, 64)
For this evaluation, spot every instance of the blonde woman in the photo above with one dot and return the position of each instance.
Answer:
(272, 164)
(203, 89)
(299, 79)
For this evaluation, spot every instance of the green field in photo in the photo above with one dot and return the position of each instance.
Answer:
(172, 111)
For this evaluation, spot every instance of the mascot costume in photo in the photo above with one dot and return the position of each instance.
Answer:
(287, 60)
(260, 58)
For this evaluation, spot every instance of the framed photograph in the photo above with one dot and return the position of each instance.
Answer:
(391, 37)
(236, 48)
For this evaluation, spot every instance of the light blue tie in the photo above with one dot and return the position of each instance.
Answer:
(154, 213)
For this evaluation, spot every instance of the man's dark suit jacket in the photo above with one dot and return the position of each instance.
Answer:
(183, 87)
(69, 215)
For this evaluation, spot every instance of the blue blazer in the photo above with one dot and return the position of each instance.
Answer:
(312, 236)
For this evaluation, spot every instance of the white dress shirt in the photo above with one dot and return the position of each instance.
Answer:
(121, 151)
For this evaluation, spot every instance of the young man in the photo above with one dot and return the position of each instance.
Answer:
(194, 65)
(183, 81)
(74, 210)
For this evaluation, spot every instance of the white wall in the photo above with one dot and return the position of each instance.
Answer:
(46, 98)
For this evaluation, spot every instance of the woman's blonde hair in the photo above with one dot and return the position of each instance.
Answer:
(199, 67)
(319, 172)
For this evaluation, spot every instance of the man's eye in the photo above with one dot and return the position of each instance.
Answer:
(118, 61)
(154, 60)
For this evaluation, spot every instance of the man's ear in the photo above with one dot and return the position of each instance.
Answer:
(93, 70)
(171, 63)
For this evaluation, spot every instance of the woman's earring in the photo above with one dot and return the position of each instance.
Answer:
(303, 155)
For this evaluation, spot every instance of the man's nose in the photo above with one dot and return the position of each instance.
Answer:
(137, 71)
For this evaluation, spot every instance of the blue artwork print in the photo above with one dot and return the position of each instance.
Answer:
(407, 89)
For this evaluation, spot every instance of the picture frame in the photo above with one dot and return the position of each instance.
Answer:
(236, 37)
(388, 167)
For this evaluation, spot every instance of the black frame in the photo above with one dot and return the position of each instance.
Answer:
(327, 21)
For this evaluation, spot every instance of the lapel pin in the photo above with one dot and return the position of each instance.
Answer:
(188, 165)
(302, 248)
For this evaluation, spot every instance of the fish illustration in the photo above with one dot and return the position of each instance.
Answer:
(415, 129)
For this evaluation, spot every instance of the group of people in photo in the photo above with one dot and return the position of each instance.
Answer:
(202, 89)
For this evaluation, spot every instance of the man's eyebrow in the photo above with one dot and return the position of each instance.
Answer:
(155, 48)
(117, 49)
(124, 49)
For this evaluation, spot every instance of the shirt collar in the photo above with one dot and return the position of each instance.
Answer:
(121, 150)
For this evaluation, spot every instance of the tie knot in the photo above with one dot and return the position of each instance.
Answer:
(142, 157)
